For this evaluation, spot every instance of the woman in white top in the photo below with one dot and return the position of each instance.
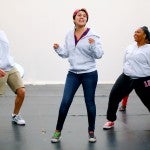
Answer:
(136, 75)
(82, 48)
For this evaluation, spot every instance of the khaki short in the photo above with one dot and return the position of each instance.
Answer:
(12, 79)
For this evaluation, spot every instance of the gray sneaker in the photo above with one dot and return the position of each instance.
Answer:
(122, 108)
(17, 119)
(92, 137)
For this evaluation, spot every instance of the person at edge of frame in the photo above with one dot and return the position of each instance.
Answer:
(136, 75)
(10, 75)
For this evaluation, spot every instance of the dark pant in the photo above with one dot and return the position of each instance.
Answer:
(73, 81)
(123, 87)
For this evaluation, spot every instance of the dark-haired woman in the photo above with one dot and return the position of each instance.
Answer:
(136, 75)
(82, 48)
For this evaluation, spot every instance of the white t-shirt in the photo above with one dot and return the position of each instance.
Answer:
(6, 61)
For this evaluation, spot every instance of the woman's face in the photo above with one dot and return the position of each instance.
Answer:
(139, 35)
(80, 19)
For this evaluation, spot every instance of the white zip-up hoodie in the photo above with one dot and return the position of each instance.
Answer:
(81, 56)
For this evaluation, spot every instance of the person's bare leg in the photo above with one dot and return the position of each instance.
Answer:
(16, 118)
(20, 95)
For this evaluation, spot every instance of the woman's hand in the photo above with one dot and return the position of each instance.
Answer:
(55, 46)
(2, 73)
(91, 41)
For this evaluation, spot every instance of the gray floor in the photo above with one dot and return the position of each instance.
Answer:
(40, 109)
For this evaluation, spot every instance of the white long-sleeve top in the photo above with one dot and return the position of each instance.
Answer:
(6, 61)
(82, 55)
(137, 61)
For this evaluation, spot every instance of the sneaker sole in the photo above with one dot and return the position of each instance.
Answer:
(108, 128)
(18, 124)
(55, 140)
(92, 140)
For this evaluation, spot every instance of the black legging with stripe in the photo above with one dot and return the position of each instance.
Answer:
(124, 86)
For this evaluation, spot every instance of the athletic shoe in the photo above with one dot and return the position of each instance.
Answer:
(56, 137)
(122, 108)
(17, 119)
(92, 137)
(108, 125)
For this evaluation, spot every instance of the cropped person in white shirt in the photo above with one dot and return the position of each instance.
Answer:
(136, 75)
(11, 76)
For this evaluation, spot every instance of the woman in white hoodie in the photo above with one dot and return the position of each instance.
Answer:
(136, 75)
(82, 47)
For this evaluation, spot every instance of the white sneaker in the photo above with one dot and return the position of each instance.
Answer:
(17, 119)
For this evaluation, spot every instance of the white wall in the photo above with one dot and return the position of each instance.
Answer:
(33, 26)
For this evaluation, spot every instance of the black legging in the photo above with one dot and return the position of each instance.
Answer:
(123, 87)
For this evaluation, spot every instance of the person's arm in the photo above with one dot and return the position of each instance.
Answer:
(95, 47)
(61, 51)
